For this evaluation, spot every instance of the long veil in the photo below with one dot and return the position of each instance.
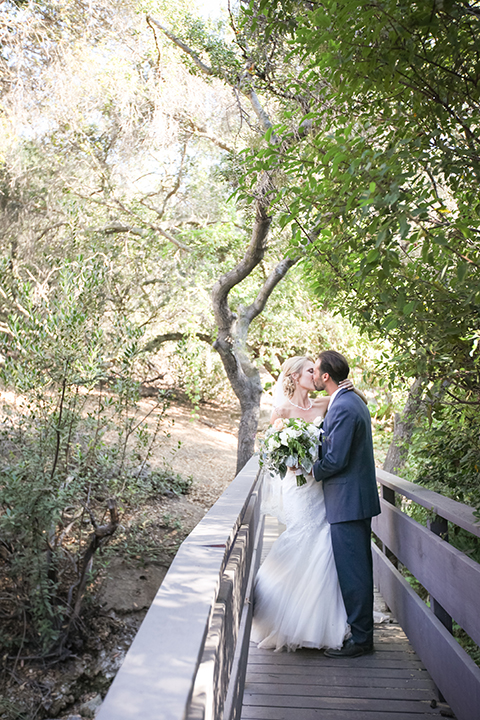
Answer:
(272, 491)
(278, 394)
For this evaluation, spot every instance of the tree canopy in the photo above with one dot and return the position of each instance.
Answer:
(382, 192)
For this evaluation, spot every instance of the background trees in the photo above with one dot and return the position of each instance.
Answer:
(381, 193)
(117, 165)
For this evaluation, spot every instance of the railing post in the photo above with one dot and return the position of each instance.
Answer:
(389, 496)
(439, 526)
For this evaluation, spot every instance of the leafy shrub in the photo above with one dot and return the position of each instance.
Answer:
(445, 453)
(74, 443)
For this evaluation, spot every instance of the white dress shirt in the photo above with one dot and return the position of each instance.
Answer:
(332, 398)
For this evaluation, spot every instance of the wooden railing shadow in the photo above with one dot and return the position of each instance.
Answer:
(451, 578)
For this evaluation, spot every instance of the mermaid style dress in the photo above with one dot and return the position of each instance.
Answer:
(297, 598)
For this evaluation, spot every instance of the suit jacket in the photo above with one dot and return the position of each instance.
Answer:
(346, 464)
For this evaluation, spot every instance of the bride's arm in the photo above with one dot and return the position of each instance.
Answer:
(360, 395)
(350, 386)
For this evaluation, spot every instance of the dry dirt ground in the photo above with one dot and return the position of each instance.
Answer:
(201, 445)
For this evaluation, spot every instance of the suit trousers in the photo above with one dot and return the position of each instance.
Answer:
(353, 559)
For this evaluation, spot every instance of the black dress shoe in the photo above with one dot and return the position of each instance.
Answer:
(350, 649)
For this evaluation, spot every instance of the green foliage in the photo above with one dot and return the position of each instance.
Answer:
(208, 40)
(72, 435)
(445, 452)
(382, 192)
(375, 156)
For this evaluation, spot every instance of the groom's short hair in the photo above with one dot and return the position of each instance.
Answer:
(334, 364)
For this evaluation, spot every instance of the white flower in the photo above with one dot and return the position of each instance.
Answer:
(286, 434)
(318, 421)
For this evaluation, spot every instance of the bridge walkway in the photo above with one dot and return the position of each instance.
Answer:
(305, 685)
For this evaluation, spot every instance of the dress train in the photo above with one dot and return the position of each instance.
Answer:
(297, 598)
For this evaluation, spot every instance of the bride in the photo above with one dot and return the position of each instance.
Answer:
(297, 598)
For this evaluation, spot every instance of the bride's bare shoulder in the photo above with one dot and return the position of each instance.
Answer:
(283, 411)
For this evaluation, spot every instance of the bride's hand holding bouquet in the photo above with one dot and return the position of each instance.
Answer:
(291, 443)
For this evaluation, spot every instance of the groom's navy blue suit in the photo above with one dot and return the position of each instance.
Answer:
(347, 468)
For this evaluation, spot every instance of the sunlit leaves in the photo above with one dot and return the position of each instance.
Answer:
(385, 184)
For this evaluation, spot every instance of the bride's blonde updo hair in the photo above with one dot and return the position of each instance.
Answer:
(290, 367)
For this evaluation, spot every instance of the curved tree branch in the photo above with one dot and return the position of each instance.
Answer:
(269, 285)
(159, 340)
(179, 43)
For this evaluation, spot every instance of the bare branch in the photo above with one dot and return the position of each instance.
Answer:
(261, 114)
(49, 229)
(203, 132)
(268, 287)
(117, 227)
(155, 343)
(179, 43)
(462, 402)
(178, 180)
(172, 239)
(98, 538)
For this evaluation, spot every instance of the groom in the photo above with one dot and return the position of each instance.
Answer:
(347, 469)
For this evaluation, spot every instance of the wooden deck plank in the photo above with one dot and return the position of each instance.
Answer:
(261, 713)
(329, 672)
(331, 680)
(370, 662)
(354, 704)
(368, 691)
(390, 684)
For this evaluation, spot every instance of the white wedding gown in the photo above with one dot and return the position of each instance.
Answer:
(297, 598)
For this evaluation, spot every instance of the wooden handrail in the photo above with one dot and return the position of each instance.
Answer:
(184, 662)
(451, 578)
(457, 513)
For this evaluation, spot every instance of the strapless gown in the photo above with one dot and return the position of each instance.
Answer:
(297, 598)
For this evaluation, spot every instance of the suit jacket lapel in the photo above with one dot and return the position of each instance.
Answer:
(341, 392)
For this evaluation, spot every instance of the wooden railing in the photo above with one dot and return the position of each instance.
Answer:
(451, 578)
(188, 660)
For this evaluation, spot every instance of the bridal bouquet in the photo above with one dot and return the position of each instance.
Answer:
(291, 443)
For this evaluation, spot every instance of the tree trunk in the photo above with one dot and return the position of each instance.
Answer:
(403, 428)
(247, 429)
(231, 341)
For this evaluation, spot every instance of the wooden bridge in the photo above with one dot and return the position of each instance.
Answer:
(192, 659)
